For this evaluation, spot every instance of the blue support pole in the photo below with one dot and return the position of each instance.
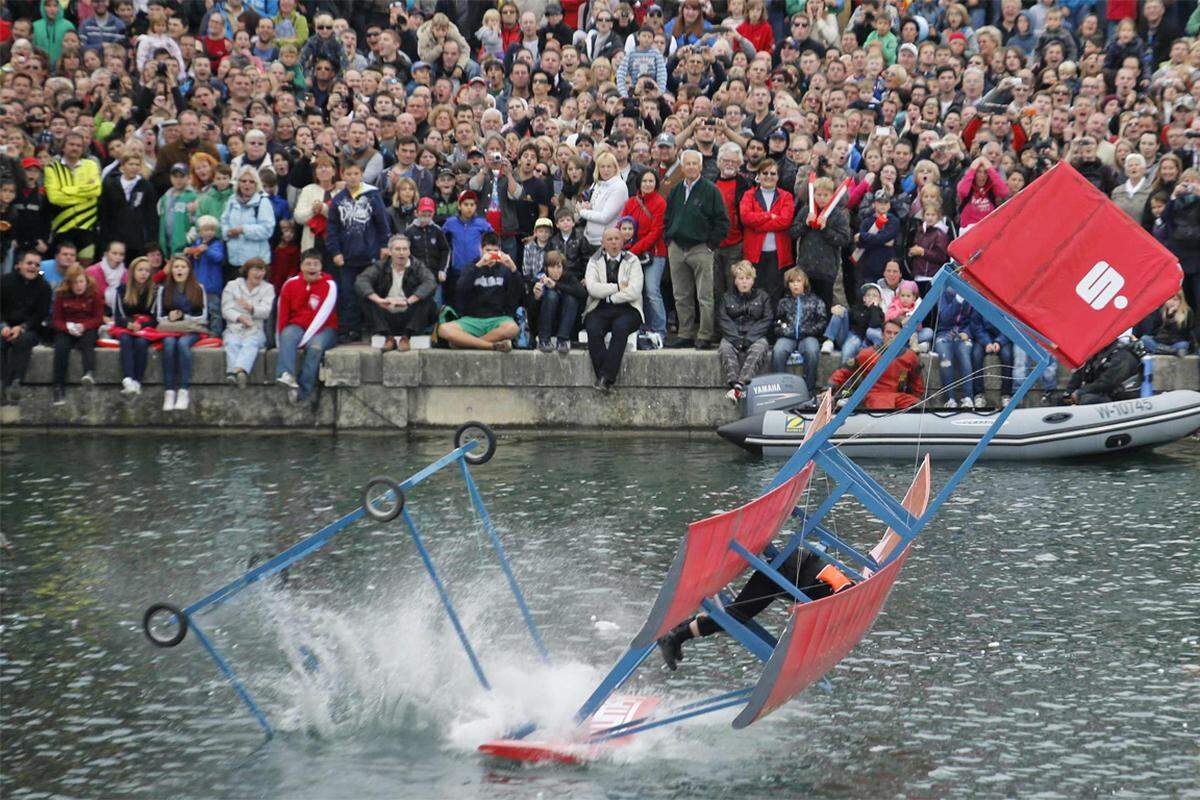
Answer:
(477, 500)
(232, 677)
(770, 572)
(616, 677)
(830, 558)
(834, 542)
(839, 489)
(744, 636)
(445, 598)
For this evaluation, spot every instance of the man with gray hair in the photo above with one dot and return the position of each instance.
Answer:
(732, 183)
(696, 222)
(397, 294)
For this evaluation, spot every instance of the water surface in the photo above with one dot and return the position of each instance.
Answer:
(1042, 641)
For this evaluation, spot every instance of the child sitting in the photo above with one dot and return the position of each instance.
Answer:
(208, 257)
(744, 320)
(953, 345)
(902, 307)
(848, 332)
(799, 320)
(558, 295)
(464, 233)
(569, 242)
(1169, 330)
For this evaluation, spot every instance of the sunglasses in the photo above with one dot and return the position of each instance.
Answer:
(324, 27)
(604, 19)
(540, 80)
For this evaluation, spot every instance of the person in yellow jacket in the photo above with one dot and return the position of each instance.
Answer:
(73, 188)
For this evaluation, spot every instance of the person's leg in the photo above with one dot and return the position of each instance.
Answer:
(811, 348)
(875, 336)
(823, 288)
(838, 329)
(568, 311)
(127, 365)
(656, 312)
(701, 258)
(756, 357)
(289, 340)
(780, 353)
(420, 318)
(962, 367)
(454, 333)
(596, 324)
(943, 346)
(63, 342)
(314, 352)
(375, 319)
(349, 308)
(1019, 368)
(216, 320)
(768, 277)
(683, 287)
(184, 354)
(723, 260)
(232, 346)
(170, 363)
(978, 360)
(850, 347)
(731, 367)
(1006, 370)
(502, 332)
(624, 324)
(141, 356)
(87, 350)
(547, 324)
(1179, 348)
(248, 351)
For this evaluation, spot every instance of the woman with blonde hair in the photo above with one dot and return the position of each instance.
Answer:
(608, 197)
(1170, 330)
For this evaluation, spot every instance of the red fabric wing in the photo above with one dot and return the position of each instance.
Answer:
(1066, 261)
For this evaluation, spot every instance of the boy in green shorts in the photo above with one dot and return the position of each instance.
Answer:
(488, 294)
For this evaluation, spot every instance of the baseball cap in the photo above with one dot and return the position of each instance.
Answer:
(420, 65)
(179, 169)
(467, 194)
(778, 133)
(445, 172)
(882, 196)
(478, 79)
(909, 47)
(31, 163)
(426, 204)
(653, 8)
(543, 222)
(667, 139)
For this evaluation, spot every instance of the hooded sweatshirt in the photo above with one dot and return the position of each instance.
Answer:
(358, 225)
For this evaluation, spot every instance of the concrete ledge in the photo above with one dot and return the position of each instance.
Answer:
(365, 389)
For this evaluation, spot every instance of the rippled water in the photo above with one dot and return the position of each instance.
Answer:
(1043, 640)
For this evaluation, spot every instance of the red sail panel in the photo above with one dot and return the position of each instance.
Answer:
(704, 564)
(1066, 261)
(820, 633)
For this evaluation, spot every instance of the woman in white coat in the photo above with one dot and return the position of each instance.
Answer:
(609, 195)
(245, 305)
(614, 285)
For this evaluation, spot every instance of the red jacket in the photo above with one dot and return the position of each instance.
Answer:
(732, 190)
(299, 302)
(758, 221)
(759, 34)
(649, 227)
(86, 309)
(900, 385)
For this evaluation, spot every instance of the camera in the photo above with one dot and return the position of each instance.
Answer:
(496, 158)
(161, 69)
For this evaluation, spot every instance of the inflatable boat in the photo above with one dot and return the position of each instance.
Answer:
(1029, 433)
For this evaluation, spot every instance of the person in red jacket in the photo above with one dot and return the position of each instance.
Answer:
(900, 385)
(648, 209)
(732, 184)
(766, 214)
(76, 317)
(757, 28)
(308, 319)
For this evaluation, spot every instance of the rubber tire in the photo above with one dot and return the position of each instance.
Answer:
(475, 457)
(179, 615)
(386, 516)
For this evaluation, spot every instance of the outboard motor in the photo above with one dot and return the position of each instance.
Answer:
(781, 390)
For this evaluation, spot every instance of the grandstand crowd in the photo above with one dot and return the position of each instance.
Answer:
(769, 179)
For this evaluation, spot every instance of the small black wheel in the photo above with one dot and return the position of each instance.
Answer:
(148, 623)
(383, 500)
(476, 432)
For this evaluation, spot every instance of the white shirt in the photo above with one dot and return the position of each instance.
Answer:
(127, 187)
(768, 240)
(687, 188)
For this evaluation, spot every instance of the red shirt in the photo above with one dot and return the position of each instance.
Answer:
(86, 309)
(300, 300)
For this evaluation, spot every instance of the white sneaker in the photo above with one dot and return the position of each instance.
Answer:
(181, 400)
(1005, 400)
(287, 380)
(966, 403)
(137, 387)
(731, 395)
(88, 379)
(169, 400)
(951, 403)
(827, 346)
(980, 401)
(128, 386)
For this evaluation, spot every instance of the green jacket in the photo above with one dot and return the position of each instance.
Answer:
(212, 202)
(173, 210)
(48, 35)
(703, 219)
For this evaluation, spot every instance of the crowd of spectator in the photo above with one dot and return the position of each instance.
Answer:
(779, 178)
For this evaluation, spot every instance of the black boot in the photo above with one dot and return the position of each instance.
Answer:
(671, 645)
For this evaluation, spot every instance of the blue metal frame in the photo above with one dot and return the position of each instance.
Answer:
(848, 477)
(323, 536)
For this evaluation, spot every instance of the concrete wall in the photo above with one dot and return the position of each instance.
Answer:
(365, 389)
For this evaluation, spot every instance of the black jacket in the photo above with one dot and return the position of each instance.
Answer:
(819, 251)
(863, 316)
(429, 245)
(33, 218)
(1105, 375)
(743, 319)
(573, 261)
(24, 302)
(124, 313)
(377, 279)
(133, 222)
(489, 291)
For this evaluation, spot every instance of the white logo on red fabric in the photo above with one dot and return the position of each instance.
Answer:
(1101, 285)
(313, 302)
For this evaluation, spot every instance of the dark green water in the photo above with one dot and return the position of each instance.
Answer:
(1043, 640)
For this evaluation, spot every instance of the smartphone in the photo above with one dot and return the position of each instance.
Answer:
(883, 130)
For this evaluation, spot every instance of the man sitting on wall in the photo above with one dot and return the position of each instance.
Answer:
(488, 294)
(900, 385)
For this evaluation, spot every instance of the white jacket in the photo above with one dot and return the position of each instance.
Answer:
(608, 198)
(262, 298)
(627, 289)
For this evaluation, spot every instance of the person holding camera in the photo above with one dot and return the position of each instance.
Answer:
(487, 295)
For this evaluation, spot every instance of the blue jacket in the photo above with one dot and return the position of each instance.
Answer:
(358, 226)
(257, 221)
(955, 315)
(878, 248)
(464, 240)
(982, 332)
(280, 206)
(210, 267)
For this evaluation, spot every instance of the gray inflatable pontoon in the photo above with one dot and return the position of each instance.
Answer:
(1029, 433)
